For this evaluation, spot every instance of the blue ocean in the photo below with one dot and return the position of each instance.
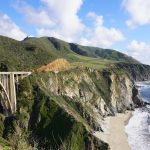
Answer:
(138, 128)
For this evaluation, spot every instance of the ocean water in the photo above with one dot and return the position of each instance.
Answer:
(138, 128)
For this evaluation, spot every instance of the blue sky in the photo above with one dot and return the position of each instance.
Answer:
(119, 24)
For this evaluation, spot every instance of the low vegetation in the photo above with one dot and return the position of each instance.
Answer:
(33, 53)
(55, 66)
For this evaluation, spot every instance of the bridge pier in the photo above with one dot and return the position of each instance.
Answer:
(13, 92)
(8, 81)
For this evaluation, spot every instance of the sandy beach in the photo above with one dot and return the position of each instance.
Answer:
(114, 131)
(1, 147)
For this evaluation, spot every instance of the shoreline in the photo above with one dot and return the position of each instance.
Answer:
(129, 117)
(114, 131)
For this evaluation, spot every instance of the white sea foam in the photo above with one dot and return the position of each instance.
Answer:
(138, 128)
(143, 83)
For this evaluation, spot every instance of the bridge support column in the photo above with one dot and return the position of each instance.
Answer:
(12, 92)
(8, 82)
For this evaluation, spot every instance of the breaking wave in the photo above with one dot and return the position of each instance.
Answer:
(138, 128)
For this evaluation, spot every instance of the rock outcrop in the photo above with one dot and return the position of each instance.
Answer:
(68, 107)
(138, 72)
(106, 91)
(94, 94)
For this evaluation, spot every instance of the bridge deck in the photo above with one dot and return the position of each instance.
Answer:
(15, 72)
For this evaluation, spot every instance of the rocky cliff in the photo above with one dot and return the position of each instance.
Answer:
(106, 91)
(64, 109)
(138, 72)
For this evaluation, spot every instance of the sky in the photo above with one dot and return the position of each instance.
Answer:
(123, 25)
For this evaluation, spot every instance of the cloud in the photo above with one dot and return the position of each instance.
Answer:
(99, 35)
(38, 17)
(140, 51)
(64, 13)
(61, 20)
(99, 20)
(139, 12)
(54, 18)
(9, 28)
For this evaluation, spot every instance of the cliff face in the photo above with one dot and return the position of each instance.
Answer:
(106, 91)
(94, 94)
(88, 95)
(138, 72)
(121, 93)
(65, 108)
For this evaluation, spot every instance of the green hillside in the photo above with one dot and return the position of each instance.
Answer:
(62, 111)
(33, 52)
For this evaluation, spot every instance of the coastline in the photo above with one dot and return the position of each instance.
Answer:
(114, 131)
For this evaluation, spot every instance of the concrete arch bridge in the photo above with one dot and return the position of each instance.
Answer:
(8, 81)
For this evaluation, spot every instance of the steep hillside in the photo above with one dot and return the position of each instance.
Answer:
(62, 110)
(65, 109)
(34, 52)
(96, 52)
(138, 72)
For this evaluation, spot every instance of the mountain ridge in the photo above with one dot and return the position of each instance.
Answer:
(34, 52)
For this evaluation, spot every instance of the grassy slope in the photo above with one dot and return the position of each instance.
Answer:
(34, 52)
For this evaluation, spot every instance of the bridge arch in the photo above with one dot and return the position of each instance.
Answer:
(8, 90)
(5, 99)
